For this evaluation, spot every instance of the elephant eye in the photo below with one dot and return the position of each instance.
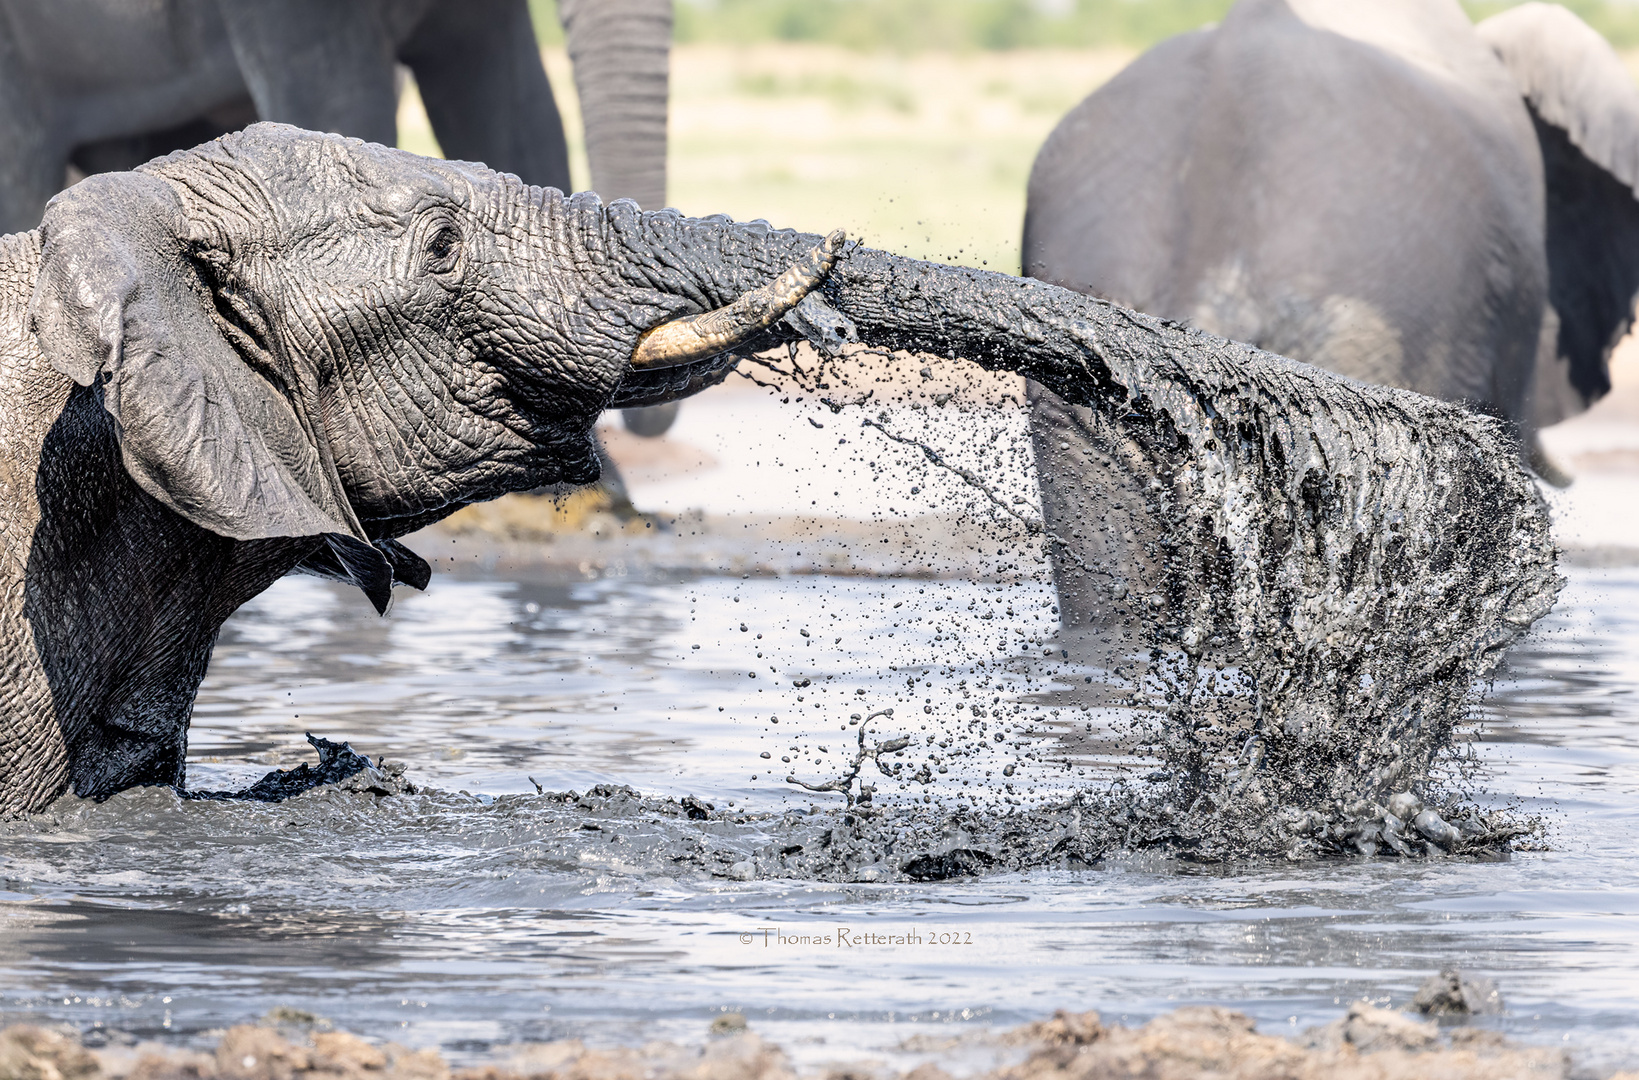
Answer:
(441, 247)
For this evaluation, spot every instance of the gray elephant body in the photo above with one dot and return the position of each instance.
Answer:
(72, 522)
(109, 84)
(1374, 188)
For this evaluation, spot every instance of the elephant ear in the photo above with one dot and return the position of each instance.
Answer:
(120, 305)
(1585, 108)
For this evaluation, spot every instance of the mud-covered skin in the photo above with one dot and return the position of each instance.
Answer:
(283, 349)
(1360, 554)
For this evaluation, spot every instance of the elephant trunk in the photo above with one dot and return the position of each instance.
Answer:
(700, 337)
(997, 321)
(621, 51)
(1362, 553)
(748, 275)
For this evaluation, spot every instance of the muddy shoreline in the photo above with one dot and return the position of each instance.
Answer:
(1193, 1043)
(530, 534)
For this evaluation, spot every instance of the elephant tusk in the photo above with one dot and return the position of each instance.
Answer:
(696, 337)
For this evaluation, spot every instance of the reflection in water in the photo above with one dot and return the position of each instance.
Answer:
(472, 914)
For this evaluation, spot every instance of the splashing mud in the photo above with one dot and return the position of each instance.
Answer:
(338, 764)
(614, 829)
(1321, 573)
(490, 907)
(1297, 663)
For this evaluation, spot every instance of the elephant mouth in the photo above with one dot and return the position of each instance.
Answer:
(660, 385)
(687, 341)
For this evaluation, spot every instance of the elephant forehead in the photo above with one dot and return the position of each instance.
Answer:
(317, 178)
(364, 194)
(276, 188)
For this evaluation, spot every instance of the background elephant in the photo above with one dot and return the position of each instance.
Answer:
(105, 85)
(1382, 189)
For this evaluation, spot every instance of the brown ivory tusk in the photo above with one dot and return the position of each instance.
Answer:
(696, 337)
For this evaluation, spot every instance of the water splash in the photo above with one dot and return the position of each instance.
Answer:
(1317, 574)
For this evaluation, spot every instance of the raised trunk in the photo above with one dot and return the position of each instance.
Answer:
(621, 51)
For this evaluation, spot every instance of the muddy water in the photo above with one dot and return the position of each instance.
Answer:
(479, 912)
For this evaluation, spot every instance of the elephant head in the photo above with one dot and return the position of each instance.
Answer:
(301, 335)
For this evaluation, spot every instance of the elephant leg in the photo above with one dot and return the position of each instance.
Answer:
(485, 90)
(610, 487)
(1100, 526)
(613, 484)
(621, 52)
(317, 64)
(607, 494)
(650, 422)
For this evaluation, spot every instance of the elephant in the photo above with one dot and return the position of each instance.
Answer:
(277, 353)
(1385, 190)
(105, 85)
(281, 351)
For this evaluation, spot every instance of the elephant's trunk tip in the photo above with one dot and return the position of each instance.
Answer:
(696, 337)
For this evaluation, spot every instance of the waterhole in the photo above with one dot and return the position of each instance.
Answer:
(479, 912)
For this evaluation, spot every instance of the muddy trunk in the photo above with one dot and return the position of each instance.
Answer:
(1353, 557)
(1347, 559)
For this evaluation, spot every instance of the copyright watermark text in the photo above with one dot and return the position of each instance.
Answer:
(852, 937)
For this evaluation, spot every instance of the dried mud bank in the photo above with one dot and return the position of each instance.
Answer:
(1368, 1043)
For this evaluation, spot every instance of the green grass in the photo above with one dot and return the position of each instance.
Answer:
(907, 26)
(917, 25)
(1616, 19)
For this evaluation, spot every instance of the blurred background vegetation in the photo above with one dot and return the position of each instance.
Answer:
(958, 25)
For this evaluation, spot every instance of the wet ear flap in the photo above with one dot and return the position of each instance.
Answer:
(119, 304)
